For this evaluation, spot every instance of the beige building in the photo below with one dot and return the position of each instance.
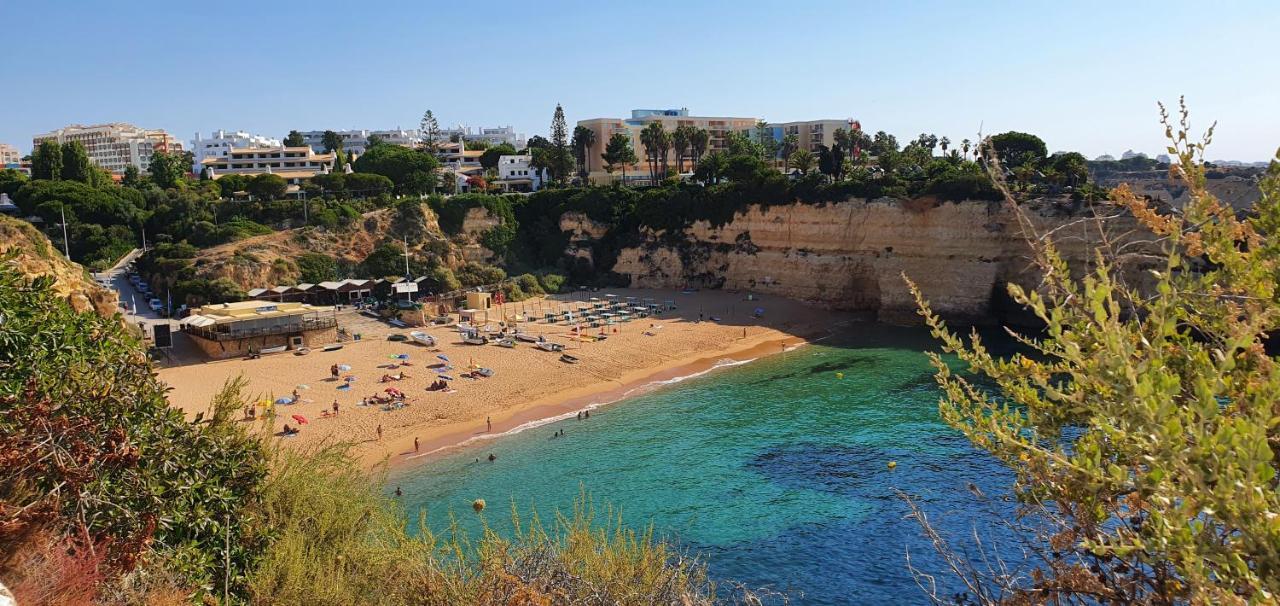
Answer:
(115, 146)
(229, 330)
(810, 133)
(9, 155)
(604, 128)
(292, 163)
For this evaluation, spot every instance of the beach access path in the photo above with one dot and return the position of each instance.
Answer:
(529, 384)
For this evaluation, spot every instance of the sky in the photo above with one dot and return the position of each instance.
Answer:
(1083, 75)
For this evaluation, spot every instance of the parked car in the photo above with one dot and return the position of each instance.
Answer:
(155, 304)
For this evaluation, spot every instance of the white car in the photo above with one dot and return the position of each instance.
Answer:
(155, 304)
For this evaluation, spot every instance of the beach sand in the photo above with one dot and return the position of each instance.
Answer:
(529, 385)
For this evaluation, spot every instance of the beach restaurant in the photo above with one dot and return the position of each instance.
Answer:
(228, 330)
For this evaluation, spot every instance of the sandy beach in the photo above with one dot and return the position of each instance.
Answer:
(529, 386)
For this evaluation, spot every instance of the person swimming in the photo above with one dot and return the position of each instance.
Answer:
(492, 458)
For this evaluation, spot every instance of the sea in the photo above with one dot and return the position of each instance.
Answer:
(785, 474)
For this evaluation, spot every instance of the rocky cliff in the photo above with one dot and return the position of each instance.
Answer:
(30, 252)
(852, 255)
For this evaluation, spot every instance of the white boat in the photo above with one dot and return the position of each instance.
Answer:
(527, 338)
(549, 346)
(271, 350)
(422, 338)
(473, 337)
(508, 343)
(464, 327)
(568, 359)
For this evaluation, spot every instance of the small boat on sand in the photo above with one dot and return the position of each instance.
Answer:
(549, 346)
(482, 372)
(301, 351)
(334, 347)
(568, 359)
(422, 338)
(271, 350)
(507, 343)
(473, 337)
(527, 338)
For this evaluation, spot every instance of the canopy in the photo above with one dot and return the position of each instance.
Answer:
(197, 321)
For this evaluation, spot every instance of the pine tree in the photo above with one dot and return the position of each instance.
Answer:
(46, 161)
(561, 159)
(430, 131)
(75, 163)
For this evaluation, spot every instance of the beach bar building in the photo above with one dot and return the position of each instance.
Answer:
(229, 330)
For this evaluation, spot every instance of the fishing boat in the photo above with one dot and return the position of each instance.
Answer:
(301, 351)
(507, 343)
(483, 372)
(422, 338)
(334, 347)
(568, 359)
(271, 350)
(526, 337)
(473, 337)
(549, 346)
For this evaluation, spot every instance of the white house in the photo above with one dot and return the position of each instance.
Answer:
(356, 141)
(515, 174)
(220, 144)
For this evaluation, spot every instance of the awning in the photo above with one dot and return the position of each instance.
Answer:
(197, 321)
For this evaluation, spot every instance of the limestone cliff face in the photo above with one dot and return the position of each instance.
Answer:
(33, 255)
(852, 255)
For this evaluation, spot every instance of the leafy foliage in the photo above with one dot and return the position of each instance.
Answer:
(1143, 429)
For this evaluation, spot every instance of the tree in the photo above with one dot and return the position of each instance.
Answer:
(883, 143)
(373, 141)
(964, 146)
(802, 160)
(331, 141)
(1142, 423)
(927, 142)
(294, 139)
(538, 141)
(1016, 149)
(699, 139)
(430, 132)
(412, 171)
(656, 143)
(132, 178)
(583, 140)
(561, 160)
(712, 168)
(831, 161)
(618, 153)
(268, 186)
(769, 146)
(790, 144)
(46, 161)
(680, 140)
(476, 145)
(944, 143)
(489, 159)
(314, 268)
(11, 180)
(75, 163)
(167, 169)
(1073, 167)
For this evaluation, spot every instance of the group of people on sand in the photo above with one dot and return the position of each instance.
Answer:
(438, 385)
(396, 377)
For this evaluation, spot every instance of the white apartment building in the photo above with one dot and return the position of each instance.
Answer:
(356, 141)
(292, 163)
(221, 142)
(10, 157)
(493, 135)
(516, 174)
(114, 146)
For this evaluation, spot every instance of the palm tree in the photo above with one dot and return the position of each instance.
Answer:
(680, 142)
(657, 142)
(790, 144)
(944, 142)
(802, 159)
(965, 146)
(698, 141)
(583, 139)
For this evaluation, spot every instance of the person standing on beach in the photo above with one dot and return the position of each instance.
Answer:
(488, 421)
(379, 432)
(415, 443)
(335, 407)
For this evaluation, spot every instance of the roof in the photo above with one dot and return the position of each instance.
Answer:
(253, 310)
(257, 292)
(329, 285)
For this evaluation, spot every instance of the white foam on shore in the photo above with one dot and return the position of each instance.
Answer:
(635, 391)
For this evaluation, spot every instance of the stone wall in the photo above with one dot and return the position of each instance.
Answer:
(221, 350)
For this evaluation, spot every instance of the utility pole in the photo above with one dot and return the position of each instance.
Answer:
(306, 218)
(408, 295)
(66, 247)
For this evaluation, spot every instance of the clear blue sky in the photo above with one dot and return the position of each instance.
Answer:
(1083, 75)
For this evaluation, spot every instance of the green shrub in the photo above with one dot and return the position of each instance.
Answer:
(552, 283)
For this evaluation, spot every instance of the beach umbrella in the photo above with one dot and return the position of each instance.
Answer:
(300, 419)
(350, 378)
(344, 387)
(446, 377)
(283, 400)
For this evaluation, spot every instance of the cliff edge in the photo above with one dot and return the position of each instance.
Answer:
(24, 247)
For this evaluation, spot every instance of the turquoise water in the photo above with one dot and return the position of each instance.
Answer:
(776, 471)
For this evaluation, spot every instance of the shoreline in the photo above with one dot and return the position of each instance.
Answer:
(566, 404)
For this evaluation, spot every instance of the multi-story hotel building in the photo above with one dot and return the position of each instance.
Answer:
(221, 142)
(356, 141)
(292, 163)
(809, 133)
(493, 135)
(114, 146)
(717, 127)
(10, 157)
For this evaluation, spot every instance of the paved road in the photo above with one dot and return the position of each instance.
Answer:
(136, 309)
